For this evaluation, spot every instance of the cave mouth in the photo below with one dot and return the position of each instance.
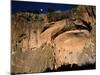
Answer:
(73, 67)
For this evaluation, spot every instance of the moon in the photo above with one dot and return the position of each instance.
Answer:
(41, 9)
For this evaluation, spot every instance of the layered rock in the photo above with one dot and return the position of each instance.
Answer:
(40, 42)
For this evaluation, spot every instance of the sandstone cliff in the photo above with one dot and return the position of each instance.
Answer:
(41, 41)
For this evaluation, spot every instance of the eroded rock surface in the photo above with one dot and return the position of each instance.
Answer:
(41, 41)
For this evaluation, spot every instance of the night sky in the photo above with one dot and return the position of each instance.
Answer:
(17, 6)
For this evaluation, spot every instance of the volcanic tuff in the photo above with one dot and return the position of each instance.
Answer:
(41, 41)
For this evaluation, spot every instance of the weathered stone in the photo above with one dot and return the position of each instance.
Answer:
(39, 42)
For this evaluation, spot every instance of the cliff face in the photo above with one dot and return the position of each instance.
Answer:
(41, 41)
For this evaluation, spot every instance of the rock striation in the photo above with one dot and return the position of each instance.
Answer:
(41, 41)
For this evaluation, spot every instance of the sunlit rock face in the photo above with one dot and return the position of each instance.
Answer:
(41, 41)
(73, 47)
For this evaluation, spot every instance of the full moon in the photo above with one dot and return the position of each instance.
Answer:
(41, 9)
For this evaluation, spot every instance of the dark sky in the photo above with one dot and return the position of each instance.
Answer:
(26, 6)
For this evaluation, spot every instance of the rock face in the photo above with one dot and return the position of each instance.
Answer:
(41, 41)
